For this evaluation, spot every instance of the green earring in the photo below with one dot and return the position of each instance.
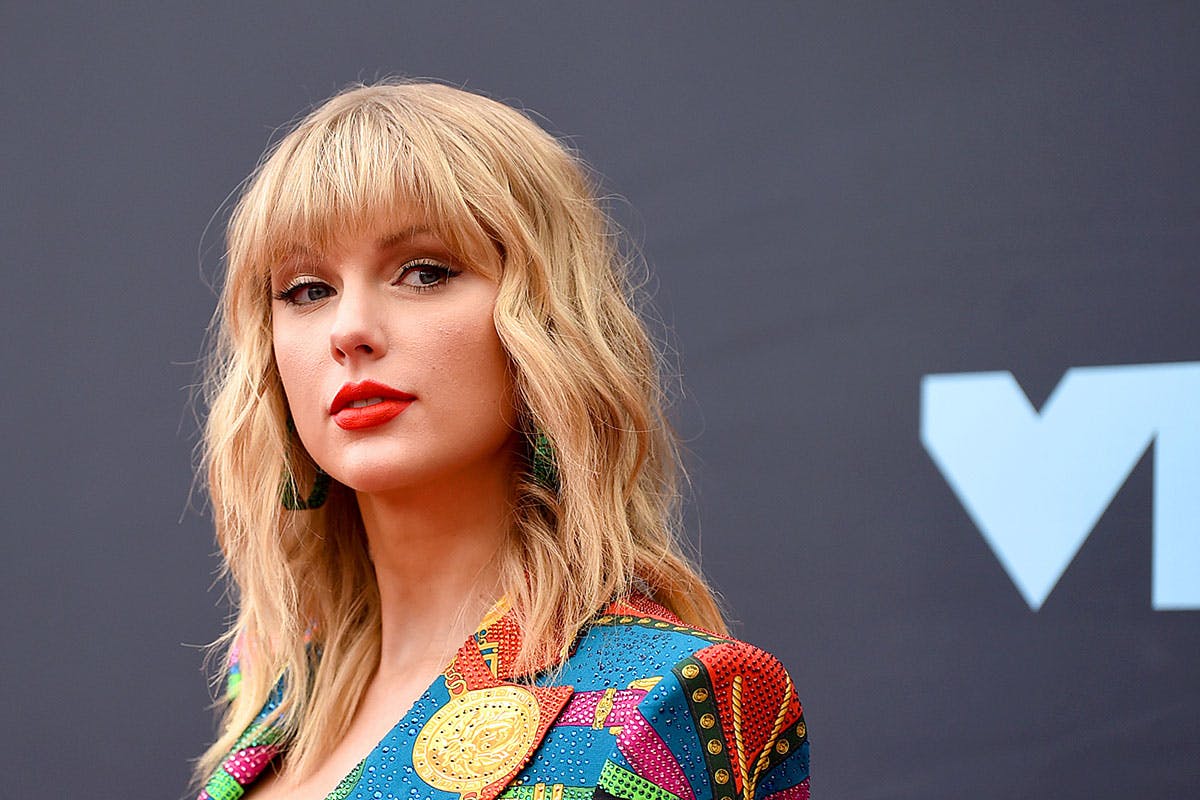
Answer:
(316, 498)
(543, 460)
(289, 494)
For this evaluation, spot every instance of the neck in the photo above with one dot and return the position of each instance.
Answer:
(437, 551)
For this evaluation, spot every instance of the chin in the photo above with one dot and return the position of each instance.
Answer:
(395, 473)
(389, 484)
(384, 466)
(382, 476)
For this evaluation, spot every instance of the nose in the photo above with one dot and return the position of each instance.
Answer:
(358, 331)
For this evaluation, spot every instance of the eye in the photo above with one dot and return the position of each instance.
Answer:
(425, 275)
(305, 293)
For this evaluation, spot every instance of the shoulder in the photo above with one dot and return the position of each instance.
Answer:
(727, 712)
(747, 715)
(641, 635)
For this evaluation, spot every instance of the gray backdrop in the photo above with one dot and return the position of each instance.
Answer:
(836, 200)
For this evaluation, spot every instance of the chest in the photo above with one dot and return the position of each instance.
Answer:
(384, 701)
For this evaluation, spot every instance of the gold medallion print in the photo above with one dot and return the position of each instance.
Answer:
(476, 739)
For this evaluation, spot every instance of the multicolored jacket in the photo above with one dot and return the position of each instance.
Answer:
(644, 708)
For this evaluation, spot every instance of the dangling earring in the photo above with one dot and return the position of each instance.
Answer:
(289, 493)
(316, 498)
(543, 460)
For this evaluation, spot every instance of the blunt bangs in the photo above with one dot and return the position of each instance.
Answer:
(348, 170)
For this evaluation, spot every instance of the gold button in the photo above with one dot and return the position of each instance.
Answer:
(700, 695)
(721, 776)
(714, 746)
(690, 671)
(781, 746)
(707, 721)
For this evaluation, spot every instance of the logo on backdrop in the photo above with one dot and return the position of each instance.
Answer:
(1035, 484)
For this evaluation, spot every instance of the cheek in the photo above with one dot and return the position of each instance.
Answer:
(474, 366)
(298, 371)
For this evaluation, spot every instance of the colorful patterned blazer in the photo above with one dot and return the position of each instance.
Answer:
(644, 708)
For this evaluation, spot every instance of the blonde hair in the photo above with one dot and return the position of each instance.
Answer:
(585, 370)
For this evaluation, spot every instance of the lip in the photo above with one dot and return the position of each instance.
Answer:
(391, 402)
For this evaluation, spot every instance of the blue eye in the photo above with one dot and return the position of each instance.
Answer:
(302, 294)
(426, 275)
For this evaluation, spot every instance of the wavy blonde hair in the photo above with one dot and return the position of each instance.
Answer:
(585, 370)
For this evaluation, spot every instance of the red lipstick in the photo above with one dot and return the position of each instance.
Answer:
(367, 404)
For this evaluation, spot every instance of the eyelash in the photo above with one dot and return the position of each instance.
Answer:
(288, 293)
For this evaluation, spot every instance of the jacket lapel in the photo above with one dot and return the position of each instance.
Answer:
(490, 727)
(500, 722)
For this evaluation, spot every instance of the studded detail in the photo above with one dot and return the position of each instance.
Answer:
(704, 713)
(604, 707)
(620, 782)
(553, 791)
(476, 738)
(757, 706)
(343, 789)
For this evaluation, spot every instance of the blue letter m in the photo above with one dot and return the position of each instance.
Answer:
(1036, 484)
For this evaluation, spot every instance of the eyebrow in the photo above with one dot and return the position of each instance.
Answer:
(396, 238)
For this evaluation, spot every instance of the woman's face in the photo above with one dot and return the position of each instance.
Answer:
(390, 360)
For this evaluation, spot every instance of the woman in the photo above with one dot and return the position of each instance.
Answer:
(425, 331)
